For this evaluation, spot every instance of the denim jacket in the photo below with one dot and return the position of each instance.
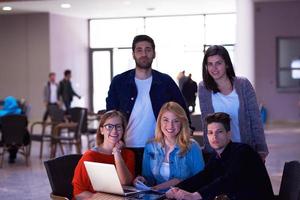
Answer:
(123, 92)
(181, 167)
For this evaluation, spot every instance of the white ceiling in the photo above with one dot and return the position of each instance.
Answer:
(120, 8)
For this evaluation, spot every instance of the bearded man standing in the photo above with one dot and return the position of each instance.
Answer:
(140, 93)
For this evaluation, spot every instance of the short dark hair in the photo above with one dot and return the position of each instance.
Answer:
(219, 117)
(141, 38)
(67, 72)
(51, 74)
(219, 50)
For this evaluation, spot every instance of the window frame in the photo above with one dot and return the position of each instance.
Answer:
(280, 69)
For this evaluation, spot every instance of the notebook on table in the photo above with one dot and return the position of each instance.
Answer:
(104, 178)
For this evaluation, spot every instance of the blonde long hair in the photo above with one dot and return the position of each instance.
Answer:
(184, 135)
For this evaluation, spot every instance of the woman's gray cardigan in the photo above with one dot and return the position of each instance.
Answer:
(250, 124)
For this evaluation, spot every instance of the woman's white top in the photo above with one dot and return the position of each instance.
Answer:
(165, 170)
(230, 105)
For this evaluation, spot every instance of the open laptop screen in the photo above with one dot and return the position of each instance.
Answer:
(104, 178)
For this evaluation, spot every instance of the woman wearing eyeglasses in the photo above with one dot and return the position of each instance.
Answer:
(109, 149)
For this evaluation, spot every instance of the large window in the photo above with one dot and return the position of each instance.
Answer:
(102, 62)
(180, 43)
(110, 33)
(288, 54)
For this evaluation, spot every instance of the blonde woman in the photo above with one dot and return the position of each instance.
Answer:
(109, 149)
(172, 155)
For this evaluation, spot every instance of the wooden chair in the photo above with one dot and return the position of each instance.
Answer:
(290, 182)
(15, 134)
(41, 131)
(74, 127)
(60, 173)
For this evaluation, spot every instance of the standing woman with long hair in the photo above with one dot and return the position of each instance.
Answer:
(222, 91)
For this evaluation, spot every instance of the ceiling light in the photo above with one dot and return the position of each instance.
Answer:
(126, 2)
(65, 5)
(7, 8)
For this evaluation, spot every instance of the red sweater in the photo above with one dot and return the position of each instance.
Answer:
(81, 181)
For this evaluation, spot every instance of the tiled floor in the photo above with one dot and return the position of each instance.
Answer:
(20, 182)
(283, 143)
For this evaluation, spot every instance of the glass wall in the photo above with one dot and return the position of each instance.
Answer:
(101, 61)
(180, 43)
(108, 33)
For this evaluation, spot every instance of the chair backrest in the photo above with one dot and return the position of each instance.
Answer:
(79, 115)
(199, 139)
(290, 182)
(56, 114)
(14, 129)
(24, 107)
(196, 122)
(60, 173)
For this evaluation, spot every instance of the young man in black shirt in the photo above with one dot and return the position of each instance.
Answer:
(235, 169)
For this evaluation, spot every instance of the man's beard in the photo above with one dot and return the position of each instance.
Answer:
(143, 65)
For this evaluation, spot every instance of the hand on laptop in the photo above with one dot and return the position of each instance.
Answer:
(139, 183)
(139, 179)
(176, 193)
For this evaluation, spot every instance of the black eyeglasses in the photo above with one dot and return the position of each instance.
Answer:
(110, 127)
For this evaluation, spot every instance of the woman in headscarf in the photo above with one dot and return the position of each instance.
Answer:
(11, 107)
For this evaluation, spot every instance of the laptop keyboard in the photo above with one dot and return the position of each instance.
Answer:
(128, 190)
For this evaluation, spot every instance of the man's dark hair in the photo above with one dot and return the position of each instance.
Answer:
(219, 117)
(51, 74)
(141, 38)
(67, 72)
(209, 82)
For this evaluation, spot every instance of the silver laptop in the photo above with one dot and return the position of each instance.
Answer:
(104, 178)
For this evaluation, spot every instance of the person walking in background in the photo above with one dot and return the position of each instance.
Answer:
(235, 169)
(66, 91)
(189, 91)
(222, 91)
(181, 79)
(50, 94)
(109, 149)
(172, 155)
(140, 93)
(11, 107)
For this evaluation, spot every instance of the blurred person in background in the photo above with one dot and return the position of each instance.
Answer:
(12, 107)
(50, 94)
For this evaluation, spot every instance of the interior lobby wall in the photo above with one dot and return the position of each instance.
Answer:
(274, 19)
(69, 50)
(24, 58)
(31, 46)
